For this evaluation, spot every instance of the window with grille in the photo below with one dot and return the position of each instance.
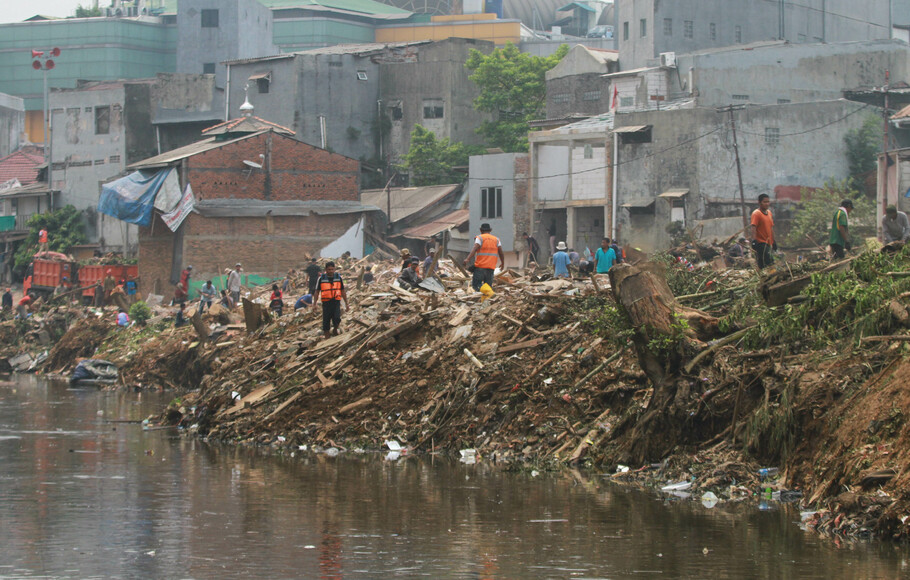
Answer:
(561, 98)
(490, 202)
(689, 29)
(591, 96)
(668, 27)
(433, 110)
(740, 97)
(738, 33)
(772, 135)
(626, 101)
(712, 31)
(208, 68)
(643, 27)
(102, 120)
(625, 31)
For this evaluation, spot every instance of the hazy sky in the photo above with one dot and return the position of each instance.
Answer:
(19, 10)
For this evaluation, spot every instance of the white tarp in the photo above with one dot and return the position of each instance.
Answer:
(169, 195)
(185, 205)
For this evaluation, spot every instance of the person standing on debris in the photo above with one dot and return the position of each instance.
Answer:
(839, 237)
(42, 240)
(233, 283)
(895, 225)
(312, 271)
(131, 287)
(428, 262)
(604, 257)
(288, 281)
(532, 246)
(330, 290)
(763, 232)
(368, 275)
(206, 295)
(410, 278)
(7, 301)
(108, 286)
(561, 261)
(276, 301)
(484, 253)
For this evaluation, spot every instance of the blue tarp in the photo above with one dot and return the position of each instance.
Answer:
(131, 198)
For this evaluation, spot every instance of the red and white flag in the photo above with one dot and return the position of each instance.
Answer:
(615, 98)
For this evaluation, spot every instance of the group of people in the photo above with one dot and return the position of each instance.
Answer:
(895, 228)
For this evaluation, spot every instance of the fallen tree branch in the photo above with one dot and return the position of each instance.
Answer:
(719, 343)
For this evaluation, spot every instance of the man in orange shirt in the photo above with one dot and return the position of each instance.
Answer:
(487, 252)
(763, 232)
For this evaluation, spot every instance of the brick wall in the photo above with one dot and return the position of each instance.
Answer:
(521, 204)
(588, 94)
(156, 245)
(292, 170)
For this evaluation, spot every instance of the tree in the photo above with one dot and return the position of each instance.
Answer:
(813, 218)
(863, 145)
(430, 161)
(513, 87)
(65, 229)
(87, 11)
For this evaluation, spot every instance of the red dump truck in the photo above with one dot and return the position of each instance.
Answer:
(46, 273)
(92, 275)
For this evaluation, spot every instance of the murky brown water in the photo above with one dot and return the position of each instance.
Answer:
(81, 497)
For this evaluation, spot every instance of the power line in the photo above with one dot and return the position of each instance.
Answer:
(844, 16)
(812, 130)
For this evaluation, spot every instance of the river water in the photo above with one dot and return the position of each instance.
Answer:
(86, 493)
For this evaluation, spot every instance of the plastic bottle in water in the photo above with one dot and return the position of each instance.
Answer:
(768, 472)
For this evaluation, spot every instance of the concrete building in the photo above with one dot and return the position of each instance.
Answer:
(12, 124)
(499, 194)
(334, 96)
(301, 201)
(431, 89)
(577, 84)
(210, 32)
(101, 127)
(649, 28)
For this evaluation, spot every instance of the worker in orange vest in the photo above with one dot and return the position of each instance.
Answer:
(330, 289)
(487, 252)
(42, 240)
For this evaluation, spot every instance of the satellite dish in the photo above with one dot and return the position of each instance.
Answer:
(252, 164)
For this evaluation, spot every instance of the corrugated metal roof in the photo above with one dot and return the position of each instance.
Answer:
(36, 189)
(573, 6)
(631, 129)
(251, 124)
(407, 201)
(902, 114)
(361, 6)
(361, 49)
(638, 203)
(440, 224)
(674, 193)
(259, 208)
(186, 151)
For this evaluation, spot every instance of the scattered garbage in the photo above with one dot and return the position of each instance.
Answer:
(678, 486)
(709, 499)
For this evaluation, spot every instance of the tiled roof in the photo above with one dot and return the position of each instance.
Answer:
(22, 165)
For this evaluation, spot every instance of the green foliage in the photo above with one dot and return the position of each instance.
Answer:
(87, 11)
(771, 431)
(606, 319)
(681, 281)
(863, 146)
(664, 345)
(513, 87)
(430, 161)
(140, 312)
(839, 307)
(65, 229)
(813, 219)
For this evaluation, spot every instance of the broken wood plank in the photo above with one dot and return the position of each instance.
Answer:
(586, 442)
(521, 345)
(460, 316)
(355, 405)
(888, 338)
(284, 405)
(543, 365)
(248, 400)
(473, 359)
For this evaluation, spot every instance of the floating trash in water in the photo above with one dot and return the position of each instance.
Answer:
(678, 486)
(709, 500)
(393, 445)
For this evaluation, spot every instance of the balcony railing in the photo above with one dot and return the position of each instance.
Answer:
(14, 223)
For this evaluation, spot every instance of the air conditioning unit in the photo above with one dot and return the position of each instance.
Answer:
(668, 59)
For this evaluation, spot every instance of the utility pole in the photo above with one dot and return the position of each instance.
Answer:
(739, 169)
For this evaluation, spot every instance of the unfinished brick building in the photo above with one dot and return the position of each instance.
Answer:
(262, 198)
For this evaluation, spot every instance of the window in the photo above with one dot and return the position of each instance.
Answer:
(625, 31)
(783, 101)
(626, 101)
(209, 18)
(263, 85)
(738, 33)
(668, 27)
(590, 96)
(561, 98)
(336, 63)
(490, 202)
(589, 152)
(208, 68)
(643, 27)
(688, 29)
(640, 136)
(433, 109)
(361, 75)
(712, 31)
(740, 97)
(772, 135)
(397, 113)
(102, 120)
